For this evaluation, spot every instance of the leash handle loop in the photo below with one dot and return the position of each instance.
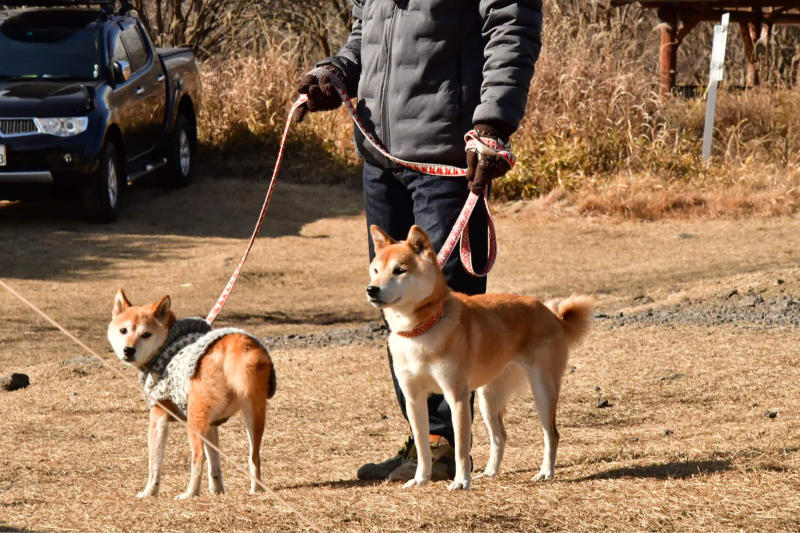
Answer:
(460, 233)
(475, 142)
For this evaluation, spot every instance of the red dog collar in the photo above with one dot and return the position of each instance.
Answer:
(425, 326)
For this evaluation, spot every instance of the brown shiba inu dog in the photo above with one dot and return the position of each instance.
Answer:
(204, 376)
(450, 343)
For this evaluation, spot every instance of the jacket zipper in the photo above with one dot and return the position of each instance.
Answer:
(387, 75)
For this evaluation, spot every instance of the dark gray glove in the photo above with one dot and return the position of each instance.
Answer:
(319, 85)
(483, 168)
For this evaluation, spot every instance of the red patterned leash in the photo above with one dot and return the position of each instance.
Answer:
(460, 232)
(231, 282)
(460, 228)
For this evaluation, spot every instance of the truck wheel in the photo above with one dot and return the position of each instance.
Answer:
(102, 191)
(180, 155)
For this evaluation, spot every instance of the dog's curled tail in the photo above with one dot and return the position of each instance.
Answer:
(575, 315)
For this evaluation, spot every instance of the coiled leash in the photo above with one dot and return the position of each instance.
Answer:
(474, 142)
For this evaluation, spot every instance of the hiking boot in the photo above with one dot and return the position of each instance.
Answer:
(381, 471)
(442, 459)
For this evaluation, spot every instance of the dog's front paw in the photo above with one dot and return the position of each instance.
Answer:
(416, 482)
(147, 492)
(543, 475)
(215, 486)
(487, 473)
(185, 496)
(459, 484)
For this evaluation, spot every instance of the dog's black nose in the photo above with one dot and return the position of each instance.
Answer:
(129, 351)
(373, 290)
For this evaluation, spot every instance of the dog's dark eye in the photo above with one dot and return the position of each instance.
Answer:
(123, 330)
(398, 270)
(146, 335)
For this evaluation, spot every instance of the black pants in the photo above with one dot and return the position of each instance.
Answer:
(397, 199)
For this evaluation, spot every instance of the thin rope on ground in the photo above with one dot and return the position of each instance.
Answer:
(307, 522)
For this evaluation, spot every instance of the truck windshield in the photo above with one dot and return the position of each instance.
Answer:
(46, 48)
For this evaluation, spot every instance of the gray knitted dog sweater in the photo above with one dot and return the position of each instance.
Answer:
(166, 375)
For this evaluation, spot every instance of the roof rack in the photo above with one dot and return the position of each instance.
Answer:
(105, 4)
(108, 6)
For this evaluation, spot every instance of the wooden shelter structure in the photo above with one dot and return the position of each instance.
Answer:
(678, 17)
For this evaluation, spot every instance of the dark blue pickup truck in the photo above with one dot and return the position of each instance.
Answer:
(87, 103)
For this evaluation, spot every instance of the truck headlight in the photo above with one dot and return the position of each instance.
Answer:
(62, 127)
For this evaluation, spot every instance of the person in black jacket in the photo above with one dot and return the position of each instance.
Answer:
(425, 72)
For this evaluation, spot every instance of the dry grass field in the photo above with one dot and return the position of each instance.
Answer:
(695, 344)
(593, 124)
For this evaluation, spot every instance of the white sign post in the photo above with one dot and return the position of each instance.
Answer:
(714, 77)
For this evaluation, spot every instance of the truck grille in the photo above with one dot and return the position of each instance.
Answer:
(17, 126)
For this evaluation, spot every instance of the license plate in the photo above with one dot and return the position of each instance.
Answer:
(2, 155)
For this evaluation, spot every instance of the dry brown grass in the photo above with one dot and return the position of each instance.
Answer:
(77, 455)
(631, 157)
(594, 125)
(73, 444)
(246, 102)
(650, 198)
(690, 453)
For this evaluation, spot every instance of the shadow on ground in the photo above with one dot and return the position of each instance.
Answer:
(333, 484)
(674, 470)
(50, 239)
(12, 529)
(210, 207)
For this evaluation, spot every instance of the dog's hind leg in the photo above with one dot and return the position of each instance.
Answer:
(492, 399)
(545, 386)
(215, 485)
(156, 442)
(254, 411)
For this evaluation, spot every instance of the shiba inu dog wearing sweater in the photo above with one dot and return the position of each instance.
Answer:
(450, 343)
(202, 375)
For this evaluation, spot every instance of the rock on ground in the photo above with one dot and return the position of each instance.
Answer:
(14, 382)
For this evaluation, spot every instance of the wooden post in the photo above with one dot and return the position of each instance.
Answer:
(797, 76)
(669, 50)
(763, 30)
(751, 73)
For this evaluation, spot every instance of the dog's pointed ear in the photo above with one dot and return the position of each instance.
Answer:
(121, 303)
(418, 240)
(162, 309)
(379, 237)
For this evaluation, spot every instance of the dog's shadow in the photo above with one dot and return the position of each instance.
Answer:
(674, 470)
(333, 484)
(12, 529)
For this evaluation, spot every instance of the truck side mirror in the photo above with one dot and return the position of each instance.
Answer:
(122, 71)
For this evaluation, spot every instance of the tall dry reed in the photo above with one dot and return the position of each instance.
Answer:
(245, 105)
(594, 127)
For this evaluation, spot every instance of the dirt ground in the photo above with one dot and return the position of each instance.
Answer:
(694, 354)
